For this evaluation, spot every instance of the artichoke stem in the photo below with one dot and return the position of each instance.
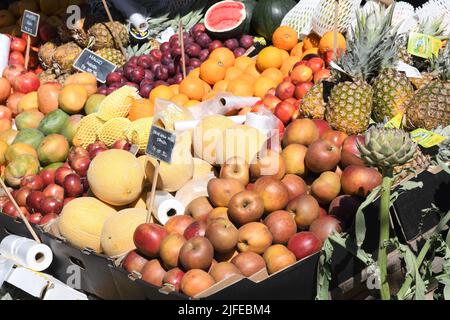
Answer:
(384, 234)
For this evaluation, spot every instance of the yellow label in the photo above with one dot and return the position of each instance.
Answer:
(395, 122)
(425, 138)
(423, 45)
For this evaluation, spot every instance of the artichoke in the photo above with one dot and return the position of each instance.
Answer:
(386, 148)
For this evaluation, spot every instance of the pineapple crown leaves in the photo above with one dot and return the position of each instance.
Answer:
(441, 64)
(386, 148)
(432, 26)
(371, 45)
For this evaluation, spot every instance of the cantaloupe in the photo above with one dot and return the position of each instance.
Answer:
(116, 177)
(81, 222)
(206, 134)
(174, 175)
(117, 233)
(239, 141)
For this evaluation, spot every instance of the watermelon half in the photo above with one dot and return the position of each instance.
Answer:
(226, 19)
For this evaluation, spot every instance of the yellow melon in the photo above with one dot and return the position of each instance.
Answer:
(118, 230)
(116, 177)
(81, 222)
(206, 134)
(239, 141)
(202, 169)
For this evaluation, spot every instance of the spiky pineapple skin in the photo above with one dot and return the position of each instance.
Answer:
(391, 93)
(64, 57)
(430, 106)
(105, 35)
(112, 55)
(418, 163)
(46, 52)
(313, 105)
(349, 106)
(418, 83)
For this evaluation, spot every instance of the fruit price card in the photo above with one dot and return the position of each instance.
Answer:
(90, 62)
(160, 144)
(30, 23)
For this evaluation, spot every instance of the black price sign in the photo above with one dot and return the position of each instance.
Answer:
(90, 62)
(30, 23)
(160, 144)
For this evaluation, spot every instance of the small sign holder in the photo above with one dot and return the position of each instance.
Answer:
(183, 55)
(89, 61)
(30, 26)
(160, 146)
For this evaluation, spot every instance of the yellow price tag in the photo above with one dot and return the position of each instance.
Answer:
(395, 122)
(423, 45)
(425, 138)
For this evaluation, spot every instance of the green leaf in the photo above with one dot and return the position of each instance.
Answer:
(360, 222)
(444, 165)
(447, 292)
(348, 244)
(324, 271)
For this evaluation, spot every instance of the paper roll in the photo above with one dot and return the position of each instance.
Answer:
(166, 206)
(5, 43)
(26, 252)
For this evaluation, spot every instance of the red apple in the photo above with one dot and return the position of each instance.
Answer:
(55, 191)
(48, 218)
(196, 228)
(173, 278)
(284, 111)
(32, 181)
(302, 88)
(334, 136)
(147, 238)
(315, 64)
(35, 218)
(34, 200)
(285, 90)
(322, 125)
(304, 244)
(48, 176)
(61, 173)
(350, 152)
(51, 205)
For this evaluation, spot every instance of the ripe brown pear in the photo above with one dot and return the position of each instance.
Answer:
(294, 157)
(221, 190)
(326, 187)
(278, 257)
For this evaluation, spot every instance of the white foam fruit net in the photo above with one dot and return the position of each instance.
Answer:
(435, 9)
(404, 17)
(300, 17)
(323, 17)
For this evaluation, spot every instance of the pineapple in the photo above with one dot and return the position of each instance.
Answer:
(430, 106)
(113, 55)
(312, 105)
(418, 163)
(106, 34)
(46, 52)
(391, 93)
(64, 57)
(350, 102)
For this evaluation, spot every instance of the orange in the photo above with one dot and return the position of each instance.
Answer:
(224, 55)
(242, 62)
(273, 73)
(269, 57)
(141, 108)
(175, 88)
(192, 87)
(240, 87)
(284, 55)
(233, 73)
(221, 86)
(247, 77)
(251, 70)
(191, 103)
(285, 38)
(314, 51)
(206, 87)
(326, 43)
(297, 50)
(212, 71)
(195, 72)
(180, 99)
(287, 66)
(161, 92)
(311, 41)
(262, 85)
(209, 95)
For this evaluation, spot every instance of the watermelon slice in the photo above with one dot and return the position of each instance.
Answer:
(226, 19)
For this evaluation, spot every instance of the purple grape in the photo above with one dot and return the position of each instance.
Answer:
(204, 54)
(154, 66)
(165, 60)
(193, 50)
(246, 41)
(231, 44)
(133, 61)
(239, 52)
(138, 74)
(194, 63)
(159, 83)
(162, 73)
(203, 40)
(102, 90)
(165, 47)
(149, 75)
(145, 89)
(179, 77)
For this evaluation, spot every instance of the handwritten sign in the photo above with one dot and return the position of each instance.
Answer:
(160, 144)
(90, 62)
(30, 23)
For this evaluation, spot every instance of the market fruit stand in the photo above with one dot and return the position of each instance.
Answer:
(230, 150)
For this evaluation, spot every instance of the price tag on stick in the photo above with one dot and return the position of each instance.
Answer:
(160, 146)
(30, 23)
(90, 62)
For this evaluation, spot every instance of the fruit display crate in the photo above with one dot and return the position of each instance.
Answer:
(14, 226)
